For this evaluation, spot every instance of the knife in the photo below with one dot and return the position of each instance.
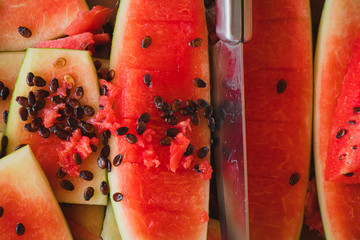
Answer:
(233, 28)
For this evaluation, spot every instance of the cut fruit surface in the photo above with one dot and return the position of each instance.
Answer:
(25, 23)
(28, 206)
(72, 69)
(110, 229)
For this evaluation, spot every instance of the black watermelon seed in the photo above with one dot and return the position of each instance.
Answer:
(61, 134)
(24, 32)
(211, 124)
(39, 81)
(29, 127)
(122, 131)
(166, 108)
(197, 42)
(41, 93)
(37, 122)
(146, 42)
(62, 115)
(341, 133)
(294, 178)
(352, 122)
(356, 109)
(104, 188)
(166, 114)
(79, 92)
(77, 158)
(189, 150)
(79, 113)
(103, 90)
(140, 128)
(158, 101)
(202, 103)
(4, 93)
(97, 64)
(32, 112)
(195, 119)
(203, 152)
(68, 111)
(118, 197)
(88, 193)
(145, 118)
(108, 165)
(192, 104)
(281, 86)
(110, 75)
(101, 162)
(20, 229)
(72, 122)
(172, 132)
(39, 104)
(93, 148)
(105, 151)
(23, 113)
(1, 211)
(54, 85)
(67, 185)
(1, 84)
(87, 127)
(166, 141)
(5, 116)
(117, 160)
(31, 98)
(342, 156)
(58, 99)
(4, 141)
(131, 138)
(172, 120)
(58, 126)
(197, 169)
(186, 111)
(30, 79)
(199, 83)
(105, 139)
(60, 173)
(208, 111)
(88, 110)
(86, 175)
(73, 103)
(176, 105)
(147, 79)
(19, 146)
(22, 101)
(107, 133)
(349, 174)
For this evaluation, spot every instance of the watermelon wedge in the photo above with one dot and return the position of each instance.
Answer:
(278, 105)
(28, 207)
(25, 23)
(159, 55)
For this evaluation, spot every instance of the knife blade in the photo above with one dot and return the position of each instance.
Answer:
(233, 28)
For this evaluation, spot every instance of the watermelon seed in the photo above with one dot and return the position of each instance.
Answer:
(1, 84)
(24, 31)
(5, 116)
(61, 134)
(60, 173)
(203, 152)
(197, 169)
(105, 151)
(294, 178)
(79, 113)
(117, 160)
(77, 158)
(192, 105)
(107, 133)
(342, 156)
(62, 115)
(122, 131)
(97, 64)
(186, 111)
(86, 175)
(73, 103)
(39, 81)
(166, 141)
(140, 128)
(354, 147)
(58, 99)
(166, 114)
(356, 109)
(31, 98)
(189, 150)
(88, 193)
(208, 111)
(166, 108)
(145, 118)
(4, 93)
(20, 229)
(108, 165)
(172, 120)
(281, 86)
(79, 92)
(146, 42)
(23, 113)
(176, 105)
(93, 148)
(197, 42)
(101, 162)
(147, 79)
(341, 133)
(30, 79)
(131, 138)
(39, 104)
(67, 185)
(195, 119)
(352, 122)
(103, 90)
(104, 188)
(30, 128)
(110, 75)
(68, 111)
(118, 197)
(19, 146)
(88, 110)
(37, 122)
(59, 63)
(211, 124)
(199, 83)
(1, 211)
(158, 101)
(69, 79)
(349, 174)
(4, 142)
(54, 85)
(32, 112)
(41, 93)
(202, 103)
(87, 127)
(172, 132)
(105, 139)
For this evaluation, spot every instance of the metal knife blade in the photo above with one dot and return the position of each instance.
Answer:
(233, 27)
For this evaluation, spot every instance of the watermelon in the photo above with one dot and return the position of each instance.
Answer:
(110, 230)
(338, 33)
(160, 47)
(64, 150)
(10, 63)
(25, 23)
(27, 205)
(278, 110)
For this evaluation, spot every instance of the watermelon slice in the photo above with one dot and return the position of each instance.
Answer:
(71, 68)
(25, 23)
(27, 205)
(338, 201)
(160, 49)
(278, 104)
(110, 230)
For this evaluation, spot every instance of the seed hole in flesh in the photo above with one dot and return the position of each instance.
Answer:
(197, 42)
(281, 86)
(146, 42)
(59, 63)
(24, 32)
(294, 178)
(69, 79)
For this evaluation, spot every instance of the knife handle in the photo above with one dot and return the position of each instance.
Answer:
(234, 20)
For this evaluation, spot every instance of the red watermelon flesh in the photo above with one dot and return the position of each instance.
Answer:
(343, 162)
(89, 21)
